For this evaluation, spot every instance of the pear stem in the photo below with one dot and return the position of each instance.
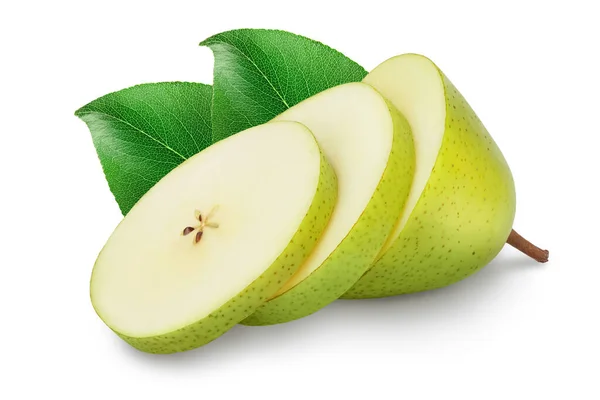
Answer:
(524, 246)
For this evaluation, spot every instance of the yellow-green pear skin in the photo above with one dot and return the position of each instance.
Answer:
(221, 320)
(358, 250)
(462, 218)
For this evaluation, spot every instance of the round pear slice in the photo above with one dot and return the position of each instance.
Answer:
(370, 147)
(462, 203)
(214, 239)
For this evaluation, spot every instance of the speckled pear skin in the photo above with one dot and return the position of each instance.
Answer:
(348, 262)
(247, 301)
(462, 219)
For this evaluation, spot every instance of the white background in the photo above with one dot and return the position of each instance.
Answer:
(515, 330)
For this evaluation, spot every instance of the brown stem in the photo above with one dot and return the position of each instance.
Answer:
(523, 245)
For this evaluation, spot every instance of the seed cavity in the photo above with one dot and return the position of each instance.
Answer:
(204, 222)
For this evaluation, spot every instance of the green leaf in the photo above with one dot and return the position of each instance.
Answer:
(143, 132)
(260, 73)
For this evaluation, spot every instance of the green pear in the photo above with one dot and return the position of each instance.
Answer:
(461, 206)
(214, 239)
(370, 146)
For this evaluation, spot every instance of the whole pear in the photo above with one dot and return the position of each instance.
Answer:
(462, 203)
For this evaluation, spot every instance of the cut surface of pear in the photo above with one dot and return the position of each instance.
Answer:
(462, 202)
(214, 239)
(369, 145)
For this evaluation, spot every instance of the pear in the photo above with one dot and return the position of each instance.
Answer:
(461, 205)
(370, 146)
(214, 239)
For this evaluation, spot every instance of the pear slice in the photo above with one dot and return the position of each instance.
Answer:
(462, 203)
(214, 239)
(369, 145)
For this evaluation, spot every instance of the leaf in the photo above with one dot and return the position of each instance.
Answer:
(143, 132)
(260, 73)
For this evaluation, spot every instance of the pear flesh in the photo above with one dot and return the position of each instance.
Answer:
(461, 206)
(214, 239)
(369, 145)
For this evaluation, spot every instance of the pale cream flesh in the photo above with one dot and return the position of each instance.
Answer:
(413, 84)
